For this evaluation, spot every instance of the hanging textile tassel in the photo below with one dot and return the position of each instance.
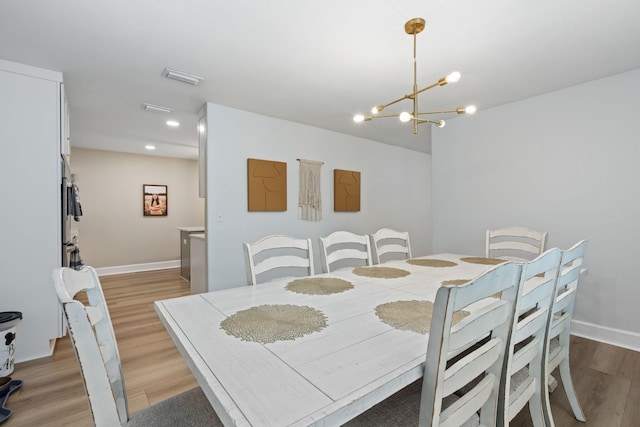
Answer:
(310, 198)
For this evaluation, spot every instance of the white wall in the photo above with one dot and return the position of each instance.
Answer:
(113, 231)
(30, 121)
(565, 162)
(395, 187)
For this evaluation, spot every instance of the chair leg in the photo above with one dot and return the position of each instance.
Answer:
(567, 382)
(536, 411)
(546, 407)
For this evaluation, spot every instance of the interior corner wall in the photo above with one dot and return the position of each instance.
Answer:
(395, 187)
(566, 163)
(113, 231)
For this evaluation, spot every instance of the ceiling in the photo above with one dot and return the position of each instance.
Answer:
(311, 62)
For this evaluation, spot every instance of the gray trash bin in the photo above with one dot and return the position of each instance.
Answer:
(8, 322)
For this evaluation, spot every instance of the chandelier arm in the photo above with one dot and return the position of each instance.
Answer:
(440, 112)
(379, 116)
(382, 107)
(459, 110)
(408, 96)
(419, 121)
(411, 95)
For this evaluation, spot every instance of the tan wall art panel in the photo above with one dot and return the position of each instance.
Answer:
(267, 182)
(346, 191)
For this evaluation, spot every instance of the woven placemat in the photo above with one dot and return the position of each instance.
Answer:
(455, 282)
(480, 260)
(431, 262)
(381, 272)
(318, 286)
(412, 315)
(270, 323)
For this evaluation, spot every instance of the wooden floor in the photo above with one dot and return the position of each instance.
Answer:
(53, 393)
(607, 378)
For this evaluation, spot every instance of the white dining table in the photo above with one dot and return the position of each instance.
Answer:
(323, 378)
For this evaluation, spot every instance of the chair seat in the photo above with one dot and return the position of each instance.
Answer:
(402, 409)
(518, 378)
(188, 409)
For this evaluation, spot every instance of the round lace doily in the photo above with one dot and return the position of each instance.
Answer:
(432, 262)
(480, 260)
(271, 323)
(318, 286)
(411, 315)
(455, 282)
(381, 272)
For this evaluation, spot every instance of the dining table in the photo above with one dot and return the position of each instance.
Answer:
(316, 350)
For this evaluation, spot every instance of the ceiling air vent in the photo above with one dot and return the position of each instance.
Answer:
(181, 76)
(156, 108)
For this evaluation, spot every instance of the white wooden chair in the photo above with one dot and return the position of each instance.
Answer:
(390, 244)
(560, 326)
(515, 243)
(284, 254)
(524, 380)
(95, 346)
(345, 249)
(464, 362)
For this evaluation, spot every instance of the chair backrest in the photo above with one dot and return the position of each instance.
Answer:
(346, 249)
(515, 243)
(476, 346)
(277, 252)
(94, 342)
(390, 244)
(524, 376)
(566, 290)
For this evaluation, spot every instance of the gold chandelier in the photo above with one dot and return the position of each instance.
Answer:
(414, 27)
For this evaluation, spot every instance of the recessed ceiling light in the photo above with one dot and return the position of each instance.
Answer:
(156, 108)
(173, 123)
(181, 76)
(150, 147)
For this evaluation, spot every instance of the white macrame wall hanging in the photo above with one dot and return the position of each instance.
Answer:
(310, 198)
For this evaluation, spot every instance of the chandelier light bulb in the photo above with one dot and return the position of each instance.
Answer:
(358, 118)
(405, 117)
(470, 109)
(453, 77)
(440, 123)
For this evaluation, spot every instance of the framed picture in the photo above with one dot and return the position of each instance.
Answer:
(155, 200)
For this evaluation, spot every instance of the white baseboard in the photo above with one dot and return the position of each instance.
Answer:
(617, 337)
(133, 268)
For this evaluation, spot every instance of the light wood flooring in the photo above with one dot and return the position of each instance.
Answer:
(607, 378)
